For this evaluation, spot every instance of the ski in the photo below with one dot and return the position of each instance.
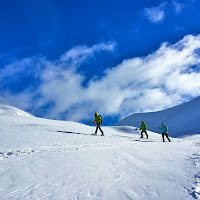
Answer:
(96, 134)
(71, 132)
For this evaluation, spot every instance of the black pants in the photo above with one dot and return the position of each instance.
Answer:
(98, 127)
(145, 133)
(165, 134)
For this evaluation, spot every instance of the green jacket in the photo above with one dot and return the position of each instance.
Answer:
(143, 127)
(98, 119)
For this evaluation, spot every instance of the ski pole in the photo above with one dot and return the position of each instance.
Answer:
(138, 130)
(91, 122)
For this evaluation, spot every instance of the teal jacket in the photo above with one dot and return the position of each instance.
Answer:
(164, 128)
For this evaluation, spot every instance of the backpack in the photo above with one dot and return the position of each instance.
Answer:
(166, 129)
(101, 119)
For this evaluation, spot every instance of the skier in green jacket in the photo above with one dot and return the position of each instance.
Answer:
(98, 121)
(164, 130)
(143, 128)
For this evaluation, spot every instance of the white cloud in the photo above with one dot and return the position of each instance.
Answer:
(156, 14)
(179, 28)
(160, 80)
(78, 54)
(178, 7)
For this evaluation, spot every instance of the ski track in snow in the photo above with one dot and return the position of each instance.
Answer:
(195, 159)
(132, 141)
(49, 149)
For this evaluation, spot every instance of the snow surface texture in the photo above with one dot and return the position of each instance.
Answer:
(40, 159)
(181, 120)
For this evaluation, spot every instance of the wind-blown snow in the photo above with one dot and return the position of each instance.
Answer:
(7, 109)
(39, 160)
(181, 120)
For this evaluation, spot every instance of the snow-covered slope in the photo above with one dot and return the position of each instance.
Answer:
(181, 120)
(51, 160)
(7, 109)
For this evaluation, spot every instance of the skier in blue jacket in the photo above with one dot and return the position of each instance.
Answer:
(164, 130)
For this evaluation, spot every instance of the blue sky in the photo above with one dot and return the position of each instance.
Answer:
(68, 59)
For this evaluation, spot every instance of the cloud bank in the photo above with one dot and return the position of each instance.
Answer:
(57, 90)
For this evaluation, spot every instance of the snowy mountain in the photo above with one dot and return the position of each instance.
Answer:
(7, 109)
(181, 120)
(51, 160)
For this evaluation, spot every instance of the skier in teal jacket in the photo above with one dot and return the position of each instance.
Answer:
(164, 130)
(143, 128)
